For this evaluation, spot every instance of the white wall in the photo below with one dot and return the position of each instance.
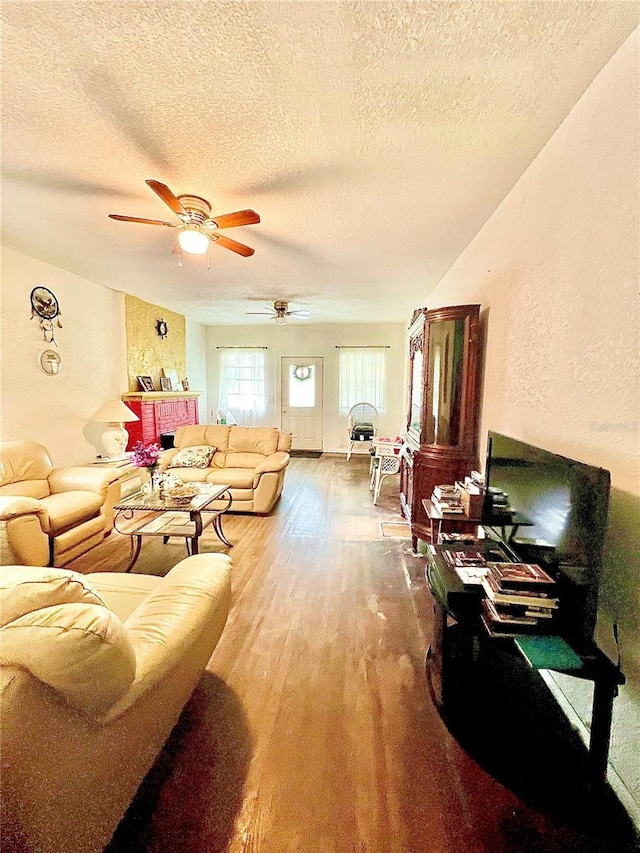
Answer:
(304, 339)
(556, 270)
(54, 410)
(197, 365)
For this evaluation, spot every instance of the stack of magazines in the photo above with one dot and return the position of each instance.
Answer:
(521, 598)
(446, 499)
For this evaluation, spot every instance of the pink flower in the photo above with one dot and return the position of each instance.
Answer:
(145, 457)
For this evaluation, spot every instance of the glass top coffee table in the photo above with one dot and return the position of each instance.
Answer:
(152, 515)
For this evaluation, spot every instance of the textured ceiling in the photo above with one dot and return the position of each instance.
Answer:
(374, 139)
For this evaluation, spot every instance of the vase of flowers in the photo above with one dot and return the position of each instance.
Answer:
(146, 456)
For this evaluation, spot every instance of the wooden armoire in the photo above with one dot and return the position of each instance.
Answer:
(441, 435)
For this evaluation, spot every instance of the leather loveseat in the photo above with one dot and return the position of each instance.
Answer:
(50, 516)
(95, 670)
(252, 460)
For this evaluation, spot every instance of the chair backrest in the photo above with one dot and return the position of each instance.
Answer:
(362, 413)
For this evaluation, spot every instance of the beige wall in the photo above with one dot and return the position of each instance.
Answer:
(54, 410)
(304, 339)
(556, 271)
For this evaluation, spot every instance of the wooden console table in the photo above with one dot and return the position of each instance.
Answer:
(160, 412)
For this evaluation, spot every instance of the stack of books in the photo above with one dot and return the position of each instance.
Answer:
(521, 598)
(470, 566)
(499, 503)
(446, 499)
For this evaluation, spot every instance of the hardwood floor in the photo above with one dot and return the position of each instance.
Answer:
(313, 730)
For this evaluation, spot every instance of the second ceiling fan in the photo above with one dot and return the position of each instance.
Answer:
(280, 312)
(197, 227)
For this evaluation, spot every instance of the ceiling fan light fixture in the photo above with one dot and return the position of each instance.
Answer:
(281, 320)
(193, 240)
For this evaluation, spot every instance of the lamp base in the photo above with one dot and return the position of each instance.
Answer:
(114, 441)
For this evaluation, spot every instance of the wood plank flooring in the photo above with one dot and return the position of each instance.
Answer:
(313, 730)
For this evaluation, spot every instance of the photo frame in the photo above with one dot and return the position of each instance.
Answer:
(146, 383)
(172, 376)
(165, 384)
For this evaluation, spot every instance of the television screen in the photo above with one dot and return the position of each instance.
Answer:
(560, 520)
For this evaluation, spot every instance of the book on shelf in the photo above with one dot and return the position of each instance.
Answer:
(445, 491)
(502, 624)
(548, 652)
(465, 558)
(449, 505)
(508, 596)
(470, 566)
(522, 577)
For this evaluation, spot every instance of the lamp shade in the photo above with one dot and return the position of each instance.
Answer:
(114, 412)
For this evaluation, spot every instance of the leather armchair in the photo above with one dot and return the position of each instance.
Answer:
(95, 670)
(50, 516)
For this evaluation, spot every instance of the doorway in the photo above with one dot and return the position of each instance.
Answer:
(301, 402)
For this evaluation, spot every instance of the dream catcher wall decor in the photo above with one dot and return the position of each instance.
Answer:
(45, 306)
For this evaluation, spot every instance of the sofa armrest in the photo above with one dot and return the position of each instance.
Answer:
(12, 506)
(274, 462)
(82, 479)
(164, 460)
(24, 525)
(192, 600)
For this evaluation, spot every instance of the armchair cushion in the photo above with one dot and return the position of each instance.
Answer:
(67, 509)
(78, 647)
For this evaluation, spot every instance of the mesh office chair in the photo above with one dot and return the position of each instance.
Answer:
(362, 425)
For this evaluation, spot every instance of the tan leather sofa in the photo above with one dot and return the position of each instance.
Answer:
(50, 516)
(94, 672)
(252, 460)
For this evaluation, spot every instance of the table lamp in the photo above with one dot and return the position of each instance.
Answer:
(115, 414)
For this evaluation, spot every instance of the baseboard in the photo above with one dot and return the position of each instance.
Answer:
(309, 454)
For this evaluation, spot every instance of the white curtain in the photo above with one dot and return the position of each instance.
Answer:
(362, 378)
(242, 385)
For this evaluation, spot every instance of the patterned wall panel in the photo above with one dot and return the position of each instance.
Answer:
(147, 352)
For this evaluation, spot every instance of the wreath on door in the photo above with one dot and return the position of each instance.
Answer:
(302, 372)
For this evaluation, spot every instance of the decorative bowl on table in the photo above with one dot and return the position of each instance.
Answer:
(182, 494)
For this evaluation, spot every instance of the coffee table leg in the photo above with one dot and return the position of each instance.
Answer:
(217, 526)
(135, 551)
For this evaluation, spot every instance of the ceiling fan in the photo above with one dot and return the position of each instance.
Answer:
(197, 227)
(280, 312)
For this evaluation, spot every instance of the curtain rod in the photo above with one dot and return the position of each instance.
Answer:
(362, 346)
(242, 347)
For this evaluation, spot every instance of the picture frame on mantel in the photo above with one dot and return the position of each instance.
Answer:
(172, 376)
(165, 384)
(146, 383)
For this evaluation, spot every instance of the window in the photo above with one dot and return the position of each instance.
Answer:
(362, 378)
(242, 384)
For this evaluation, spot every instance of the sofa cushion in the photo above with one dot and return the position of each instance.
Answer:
(198, 456)
(24, 460)
(67, 509)
(263, 440)
(237, 478)
(24, 589)
(79, 648)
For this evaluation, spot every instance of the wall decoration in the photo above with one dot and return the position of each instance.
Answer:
(51, 362)
(146, 383)
(162, 329)
(44, 305)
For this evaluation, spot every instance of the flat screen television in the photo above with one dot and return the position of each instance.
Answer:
(562, 507)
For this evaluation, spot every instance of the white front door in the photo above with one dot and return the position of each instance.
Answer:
(301, 401)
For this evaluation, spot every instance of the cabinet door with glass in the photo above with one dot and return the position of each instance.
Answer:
(443, 404)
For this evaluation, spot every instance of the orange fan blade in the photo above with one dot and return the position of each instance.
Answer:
(167, 196)
(143, 221)
(240, 217)
(227, 243)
